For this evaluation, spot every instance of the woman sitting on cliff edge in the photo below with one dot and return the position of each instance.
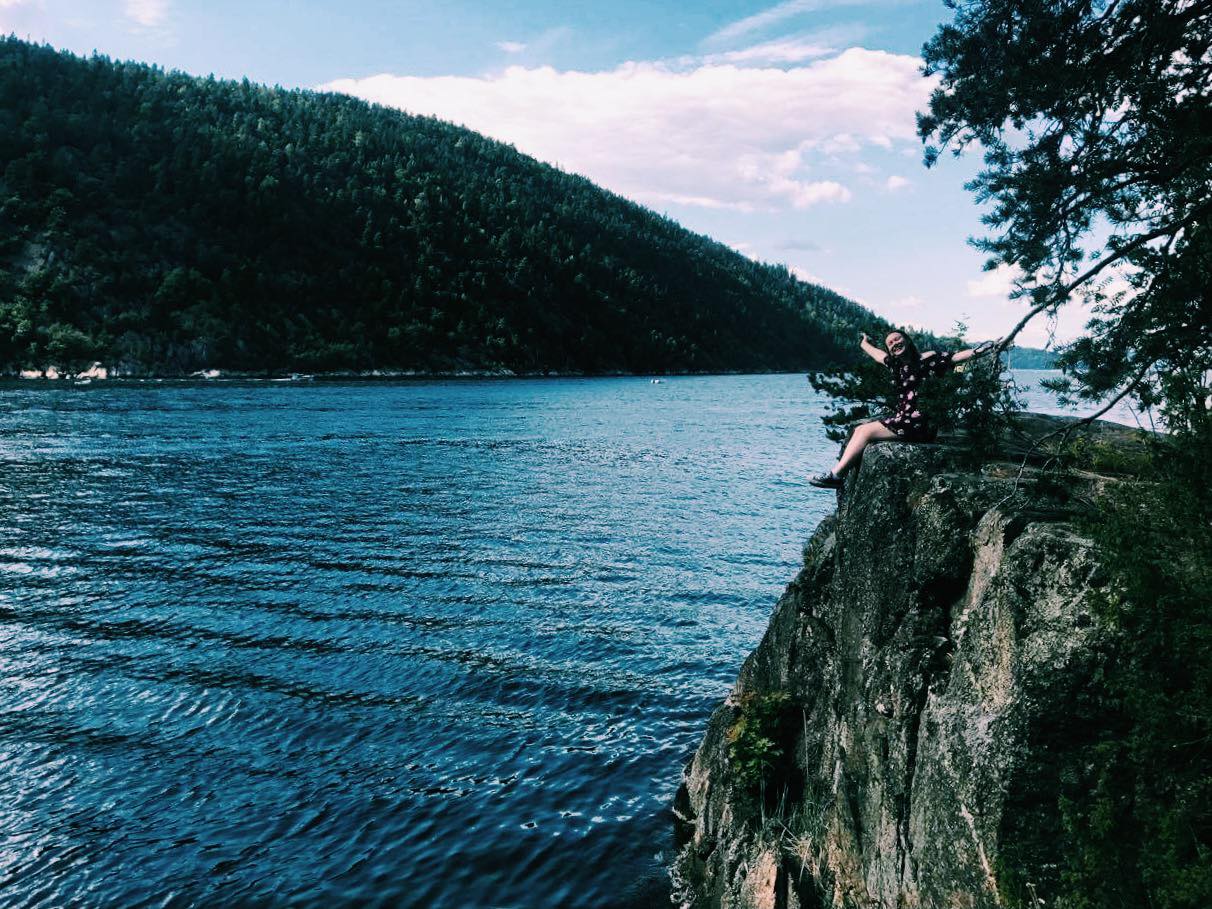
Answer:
(908, 423)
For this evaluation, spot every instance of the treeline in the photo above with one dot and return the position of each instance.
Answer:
(161, 222)
(1031, 358)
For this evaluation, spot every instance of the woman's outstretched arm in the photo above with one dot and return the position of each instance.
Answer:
(872, 351)
(979, 351)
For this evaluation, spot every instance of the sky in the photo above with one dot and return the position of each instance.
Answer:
(785, 130)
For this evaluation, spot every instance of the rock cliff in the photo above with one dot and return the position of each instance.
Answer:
(896, 738)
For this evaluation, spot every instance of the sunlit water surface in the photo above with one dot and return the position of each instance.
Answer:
(438, 644)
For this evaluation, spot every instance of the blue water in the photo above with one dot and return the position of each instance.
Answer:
(425, 644)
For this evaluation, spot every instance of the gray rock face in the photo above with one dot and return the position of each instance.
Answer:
(927, 659)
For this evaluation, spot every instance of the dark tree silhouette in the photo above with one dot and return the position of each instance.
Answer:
(1095, 117)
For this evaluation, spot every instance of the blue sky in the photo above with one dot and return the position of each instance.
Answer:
(785, 130)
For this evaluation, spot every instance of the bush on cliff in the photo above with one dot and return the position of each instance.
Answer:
(1139, 819)
(758, 739)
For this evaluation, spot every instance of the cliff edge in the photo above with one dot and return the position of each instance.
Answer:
(898, 738)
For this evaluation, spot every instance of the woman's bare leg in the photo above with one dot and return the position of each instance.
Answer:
(874, 431)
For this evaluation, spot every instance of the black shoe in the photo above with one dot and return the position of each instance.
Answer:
(826, 481)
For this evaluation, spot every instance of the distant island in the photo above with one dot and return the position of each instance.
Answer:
(1031, 358)
(164, 224)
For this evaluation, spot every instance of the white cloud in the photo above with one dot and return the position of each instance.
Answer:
(786, 49)
(148, 13)
(16, 25)
(909, 302)
(774, 15)
(996, 283)
(27, 19)
(841, 144)
(715, 135)
(804, 195)
(655, 199)
(511, 47)
(782, 50)
(893, 183)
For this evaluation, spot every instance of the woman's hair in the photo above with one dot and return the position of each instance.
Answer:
(910, 353)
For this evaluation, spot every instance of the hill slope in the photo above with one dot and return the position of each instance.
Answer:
(167, 223)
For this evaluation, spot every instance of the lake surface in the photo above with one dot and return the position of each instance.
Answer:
(441, 644)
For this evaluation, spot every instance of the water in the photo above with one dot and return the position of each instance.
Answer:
(426, 644)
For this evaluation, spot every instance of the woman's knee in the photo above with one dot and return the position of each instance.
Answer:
(861, 437)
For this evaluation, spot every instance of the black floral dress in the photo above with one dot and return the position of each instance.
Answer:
(908, 421)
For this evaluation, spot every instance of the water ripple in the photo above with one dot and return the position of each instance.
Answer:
(438, 644)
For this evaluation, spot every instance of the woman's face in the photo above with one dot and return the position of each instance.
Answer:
(895, 342)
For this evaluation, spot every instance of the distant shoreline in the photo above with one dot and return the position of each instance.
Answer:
(383, 375)
(373, 376)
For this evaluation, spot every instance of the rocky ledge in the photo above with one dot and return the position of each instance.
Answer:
(895, 739)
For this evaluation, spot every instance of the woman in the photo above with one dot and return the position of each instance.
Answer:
(908, 422)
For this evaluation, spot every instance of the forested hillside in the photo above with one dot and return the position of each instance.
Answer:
(1031, 358)
(163, 223)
